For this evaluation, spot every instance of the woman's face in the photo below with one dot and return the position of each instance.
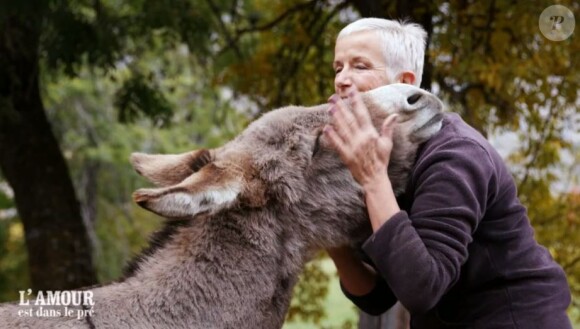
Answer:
(359, 61)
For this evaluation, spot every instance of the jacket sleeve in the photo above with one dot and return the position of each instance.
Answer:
(377, 301)
(420, 254)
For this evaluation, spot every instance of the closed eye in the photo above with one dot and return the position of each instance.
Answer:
(200, 161)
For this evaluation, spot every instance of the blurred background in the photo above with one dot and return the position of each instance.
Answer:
(83, 83)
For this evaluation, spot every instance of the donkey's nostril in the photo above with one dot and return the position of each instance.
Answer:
(413, 99)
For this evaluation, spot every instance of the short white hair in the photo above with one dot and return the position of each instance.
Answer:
(403, 44)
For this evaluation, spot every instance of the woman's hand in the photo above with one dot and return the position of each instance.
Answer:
(351, 133)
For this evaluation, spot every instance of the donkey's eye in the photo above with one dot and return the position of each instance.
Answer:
(316, 144)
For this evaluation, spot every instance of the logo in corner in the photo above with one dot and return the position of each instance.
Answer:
(557, 23)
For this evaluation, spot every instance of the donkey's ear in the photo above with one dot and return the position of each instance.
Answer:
(169, 169)
(209, 190)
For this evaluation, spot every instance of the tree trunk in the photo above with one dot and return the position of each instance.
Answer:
(59, 252)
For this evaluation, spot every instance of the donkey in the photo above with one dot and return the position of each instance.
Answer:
(244, 218)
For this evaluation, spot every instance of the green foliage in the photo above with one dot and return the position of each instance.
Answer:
(106, 34)
(285, 55)
(5, 201)
(334, 310)
(83, 114)
(309, 294)
(13, 259)
(122, 233)
(491, 57)
(137, 97)
(79, 31)
(101, 33)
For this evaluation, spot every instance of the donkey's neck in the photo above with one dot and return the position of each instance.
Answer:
(214, 273)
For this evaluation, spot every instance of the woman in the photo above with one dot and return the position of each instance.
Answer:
(457, 250)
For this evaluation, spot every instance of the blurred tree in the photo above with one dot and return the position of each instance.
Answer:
(58, 252)
(64, 36)
(92, 138)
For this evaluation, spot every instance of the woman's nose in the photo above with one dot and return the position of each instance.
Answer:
(342, 79)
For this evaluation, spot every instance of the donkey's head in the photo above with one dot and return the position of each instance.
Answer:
(282, 166)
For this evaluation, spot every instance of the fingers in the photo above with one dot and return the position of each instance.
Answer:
(339, 123)
(342, 118)
(359, 110)
(357, 113)
(348, 120)
(351, 128)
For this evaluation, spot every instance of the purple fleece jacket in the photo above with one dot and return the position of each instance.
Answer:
(462, 253)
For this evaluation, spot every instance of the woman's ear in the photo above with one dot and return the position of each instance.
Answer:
(407, 77)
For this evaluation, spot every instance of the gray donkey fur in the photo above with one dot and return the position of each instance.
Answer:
(243, 220)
